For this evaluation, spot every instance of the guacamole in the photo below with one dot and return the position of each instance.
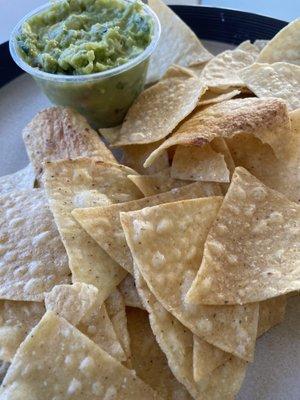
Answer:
(79, 37)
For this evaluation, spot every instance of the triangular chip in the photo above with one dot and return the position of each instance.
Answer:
(166, 243)
(84, 183)
(266, 119)
(78, 368)
(285, 46)
(252, 250)
(22, 179)
(281, 80)
(32, 258)
(178, 44)
(129, 293)
(199, 164)
(17, 318)
(149, 361)
(160, 108)
(176, 341)
(59, 133)
(104, 226)
(271, 313)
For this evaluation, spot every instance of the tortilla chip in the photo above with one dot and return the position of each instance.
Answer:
(271, 313)
(169, 260)
(199, 164)
(197, 68)
(129, 293)
(83, 183)
(248, 47)
(17, 318)
(219, 145)
(260, 44)
(258, 259)
(72, 302)
(115, 307)
(285, 46)
(176, 341)
(79, 369)
(211, 97)
(279, 80)
(149, 361)
(104, 226)
(32, 258)
(266, 119)
(178, 44)
(160, 108)
(22, 179)
(60, 133)
(221, 73)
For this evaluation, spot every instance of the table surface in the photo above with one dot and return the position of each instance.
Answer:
(287, 10)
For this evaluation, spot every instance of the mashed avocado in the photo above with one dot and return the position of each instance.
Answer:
(78, 37)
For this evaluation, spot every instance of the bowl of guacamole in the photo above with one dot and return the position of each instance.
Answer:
(91, 55)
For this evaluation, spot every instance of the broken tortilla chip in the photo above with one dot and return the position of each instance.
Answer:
(178, 44)
(271, 313)
(22, 179)
(60, 133)
(160, 108)
(169, 261)
(85, 183)
(149, 361)
(285, 46)
(129, 293)
(17, 318)
(79, 368)
(281, 80)
(266, 119)
(33, 258)
(252, 250)
(104, 226)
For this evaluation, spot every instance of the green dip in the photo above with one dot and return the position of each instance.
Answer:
(78, 37)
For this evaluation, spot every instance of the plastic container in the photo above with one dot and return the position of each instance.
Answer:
(103, 97)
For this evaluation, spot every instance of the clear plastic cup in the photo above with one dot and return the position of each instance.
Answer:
(103, 97)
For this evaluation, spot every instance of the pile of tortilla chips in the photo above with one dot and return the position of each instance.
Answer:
(155, 282)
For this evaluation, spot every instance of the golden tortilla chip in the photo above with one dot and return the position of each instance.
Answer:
(281, 80)
(17, 318)
(169, 260)
(252, 250)
(160, 108)
(266, 119)
(32, 258)
(149, 361)
(271, 313)
(285, 46)
(79, 369)
(176, 341)
(178, 44)
(84, 183)
(199, 164)
(22, 179)
(104, 226)
(71, 302)
(211, 97)
(58, 133)
(129, 293)
(249, 47)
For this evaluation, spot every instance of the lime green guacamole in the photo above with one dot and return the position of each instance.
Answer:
(79, 37)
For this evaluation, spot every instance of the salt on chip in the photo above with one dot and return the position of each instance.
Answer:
(271, 313)
(199, 164)
(79, 368)
(160, 108)
(285, 46)
(104, 226)
(176, 341)
(266, 119)
(149, 361)
(85, 183)
(281, 80)
(22, 179)
(178, 44)
(60, 133)
(169, 261)
(129, 293)
(17, 318)
(252, 250)
(33, 258)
